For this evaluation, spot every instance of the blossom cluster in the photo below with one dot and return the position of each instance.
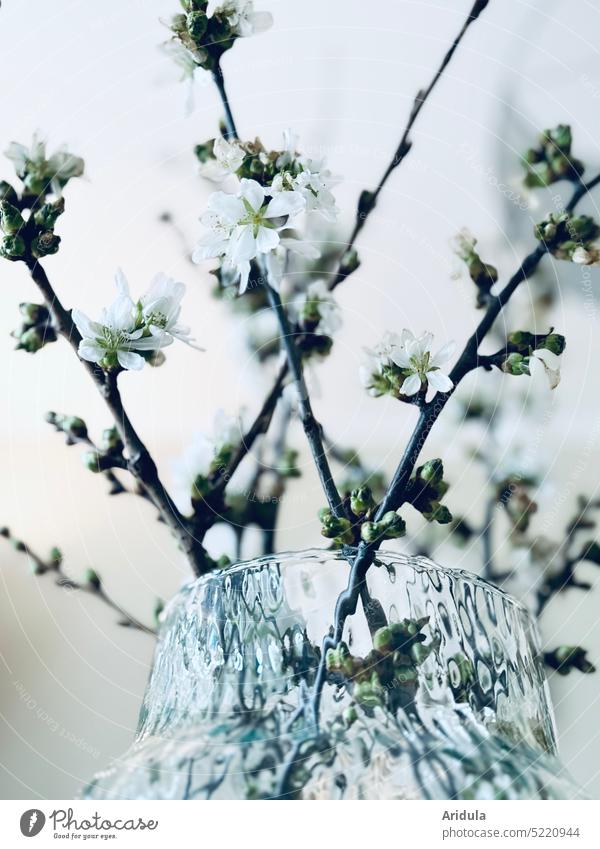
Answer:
(252, 223)
(41, 173)
(403, 365)
(130, 333)
(206, 30)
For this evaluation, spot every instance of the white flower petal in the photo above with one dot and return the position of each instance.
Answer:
(266, 239)
(284, 204)
(129, 360)
(411, 385)
(440, 381)
(90, 351)
(253, 192)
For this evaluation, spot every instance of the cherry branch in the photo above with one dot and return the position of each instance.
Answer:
(139, 461)
(92, 586)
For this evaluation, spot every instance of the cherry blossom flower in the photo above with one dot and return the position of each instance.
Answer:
(420, 365)
(245, 226)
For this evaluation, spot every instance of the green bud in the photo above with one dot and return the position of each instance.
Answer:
(432, 471)
(158, 609)
(521, 339)
(554, 342)
(361, 500)
(196, 24)
(45, 244)
(516, 364)
(91, 460)
(332, 527)
(11, 220)
(204, 152)
(12, 247)
(34, 338)
(383, 639)
(366, 695)
(200, 488)
(287, 467)
(75, 426)
(111, 441)
(350, 716)
(439, 513)
(47, 215)
(56, 556)
(92, 578)
(349, 263)
(34, 313)
(8, 193)
(391, 526)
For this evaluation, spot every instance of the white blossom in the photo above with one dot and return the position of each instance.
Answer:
(242, 18)
(245, 225)
(126, 328)
(228, 157)
(161, 308)
(319, 300)
(57, 169)
(115, 336)
(546, 361)
(415, 357)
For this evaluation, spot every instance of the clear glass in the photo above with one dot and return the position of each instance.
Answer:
(437, 693)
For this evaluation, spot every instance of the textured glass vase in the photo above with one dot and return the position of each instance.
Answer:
(437, 691)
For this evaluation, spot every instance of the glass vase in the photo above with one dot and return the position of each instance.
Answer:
(436, 692)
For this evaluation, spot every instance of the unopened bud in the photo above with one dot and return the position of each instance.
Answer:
(11, 220)
(12, 247)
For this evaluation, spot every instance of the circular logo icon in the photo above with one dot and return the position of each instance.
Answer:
(32, 822)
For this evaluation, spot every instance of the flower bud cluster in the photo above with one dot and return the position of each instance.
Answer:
(551, 159)
(481, 273)
(35, 330)
(201, 39)
(570, 237)
(388, 676)
(426, 489)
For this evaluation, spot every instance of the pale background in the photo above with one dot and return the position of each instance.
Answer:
(343, 74)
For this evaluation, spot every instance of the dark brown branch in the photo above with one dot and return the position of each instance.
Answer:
(139, 462)
(311, 426)
(368, 200)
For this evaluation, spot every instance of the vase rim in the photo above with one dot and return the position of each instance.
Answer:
(424, 562)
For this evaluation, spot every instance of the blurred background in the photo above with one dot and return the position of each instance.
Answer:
(343, 75)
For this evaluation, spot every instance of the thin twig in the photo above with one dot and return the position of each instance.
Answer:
(93, 587)
(231, 130)
(311, 426)
(363, 211)
(139, 462)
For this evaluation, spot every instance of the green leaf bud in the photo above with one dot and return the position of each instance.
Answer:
(11, 220)
(45, 244)
(92, 578)
(554, 342)
(12, 247)
(361, 500)
(92, 461)
(432, 471)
